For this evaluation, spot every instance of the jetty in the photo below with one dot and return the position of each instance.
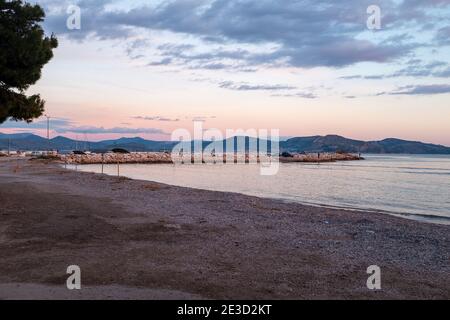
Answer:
(166, 158)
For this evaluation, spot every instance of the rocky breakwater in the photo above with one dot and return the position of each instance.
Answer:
(113, 158)
(164, 157)
(319, 157)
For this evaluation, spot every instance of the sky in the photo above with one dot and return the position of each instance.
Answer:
(307, 67)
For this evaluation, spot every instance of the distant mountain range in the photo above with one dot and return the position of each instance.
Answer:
(329, 143)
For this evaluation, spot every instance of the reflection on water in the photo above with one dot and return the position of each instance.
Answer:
(418, 185)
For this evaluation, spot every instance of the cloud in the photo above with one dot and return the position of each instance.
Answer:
(351, 77)
(162, 62)
(117, 130)
(61, 125)
(203, 118)
(155, 118)
(37, 124)
(251, 87)
(299, 33)
(237, 36)
(415, 68)
(443, 36)
(305, 95)
(212, 66)
(419, 90)
(442, 73)
(213, 59)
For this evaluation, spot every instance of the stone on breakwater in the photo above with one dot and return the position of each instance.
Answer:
(112, 158)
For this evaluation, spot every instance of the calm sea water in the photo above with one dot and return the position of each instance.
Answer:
(413, 186)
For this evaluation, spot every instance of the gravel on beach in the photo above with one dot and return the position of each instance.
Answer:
(144, 240)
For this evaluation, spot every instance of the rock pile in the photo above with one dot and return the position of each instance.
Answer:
(164, 157)
(112, 158)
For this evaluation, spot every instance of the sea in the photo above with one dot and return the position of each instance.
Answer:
(410, 186)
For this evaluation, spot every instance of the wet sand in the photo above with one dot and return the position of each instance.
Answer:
(144, 240)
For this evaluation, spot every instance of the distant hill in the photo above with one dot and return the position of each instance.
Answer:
(401, 146)
(133, 144)
(329, 143)
(23, 141)
(333, 143)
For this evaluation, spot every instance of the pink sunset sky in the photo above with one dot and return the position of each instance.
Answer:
(137, 70)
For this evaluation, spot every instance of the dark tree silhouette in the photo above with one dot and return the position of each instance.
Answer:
(24, 50)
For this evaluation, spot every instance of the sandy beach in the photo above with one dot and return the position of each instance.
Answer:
(144, 240)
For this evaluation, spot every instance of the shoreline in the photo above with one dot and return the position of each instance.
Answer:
(147, 240)
(423, 218)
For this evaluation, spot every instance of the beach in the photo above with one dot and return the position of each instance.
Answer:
(144, 240)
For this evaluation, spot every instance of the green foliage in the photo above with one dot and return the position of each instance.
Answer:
(24, 50)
